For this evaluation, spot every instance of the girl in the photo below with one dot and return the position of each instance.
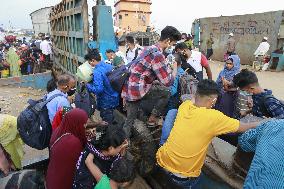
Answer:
(121, 174)
(108, 145)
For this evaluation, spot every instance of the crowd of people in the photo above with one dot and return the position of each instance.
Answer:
(22, 58)
(188, 124)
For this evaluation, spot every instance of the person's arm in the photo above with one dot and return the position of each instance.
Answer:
(168, 125)
(95, 171)
(205, 64)
(164, 73)
(247, 126)
(97, 87)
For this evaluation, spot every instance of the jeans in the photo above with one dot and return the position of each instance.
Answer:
(107, 115)
(168, 125)
(190, 183)
(156, 100)
(185, 183)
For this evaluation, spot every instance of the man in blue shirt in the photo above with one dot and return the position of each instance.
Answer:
(107, 98)
(65, 87)
(264, 103)
(267, 167)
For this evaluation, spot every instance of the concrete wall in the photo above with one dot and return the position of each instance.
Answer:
(248, 29)
(40, 20)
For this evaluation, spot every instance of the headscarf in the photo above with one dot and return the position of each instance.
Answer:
(229, 74)
(73, 123)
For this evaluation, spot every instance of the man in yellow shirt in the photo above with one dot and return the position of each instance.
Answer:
(182, 155)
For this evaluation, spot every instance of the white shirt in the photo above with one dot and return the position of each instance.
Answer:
(195, 60)
(120, 54)
(45, 47)
(262, 49)
(130, 55)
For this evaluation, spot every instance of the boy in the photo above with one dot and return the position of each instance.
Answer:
(121, 174)
(264, 103)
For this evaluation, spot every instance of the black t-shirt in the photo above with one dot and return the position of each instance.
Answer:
(83, 178)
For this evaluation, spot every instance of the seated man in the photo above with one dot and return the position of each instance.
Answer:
(182, 155)
(264, 103)
(266, 170)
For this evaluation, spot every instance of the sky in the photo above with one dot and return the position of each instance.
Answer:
(178, 13)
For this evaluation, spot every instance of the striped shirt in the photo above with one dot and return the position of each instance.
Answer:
(267, 167)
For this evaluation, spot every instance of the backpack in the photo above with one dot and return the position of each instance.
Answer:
(118, 75)
(263, 108)
(34, 125)
(187, 85)
(85, 101)
(136, 52)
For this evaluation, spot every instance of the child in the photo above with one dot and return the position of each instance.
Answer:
(264, 103)
(174, 99)
(121, 173)
(107, 146)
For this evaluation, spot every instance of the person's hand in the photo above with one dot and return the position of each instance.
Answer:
(4, 163)
(124, 147)
(250, 103)
(90, 158)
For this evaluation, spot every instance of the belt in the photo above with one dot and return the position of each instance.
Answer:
(179, 177)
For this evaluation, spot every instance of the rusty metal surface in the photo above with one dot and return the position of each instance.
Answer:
(69, 33)
(248, 29)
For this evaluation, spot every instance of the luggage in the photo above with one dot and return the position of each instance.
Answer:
(85, 72)
(34, 125)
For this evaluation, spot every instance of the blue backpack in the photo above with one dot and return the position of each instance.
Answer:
(119, 75)
(34, 125)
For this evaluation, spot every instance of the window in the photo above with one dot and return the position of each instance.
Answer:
(126, 14)
(120, 16)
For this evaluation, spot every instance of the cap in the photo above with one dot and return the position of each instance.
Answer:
(265, 38)
(231, 34)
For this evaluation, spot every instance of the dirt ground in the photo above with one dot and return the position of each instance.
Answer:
(14, 99)
(267, 79)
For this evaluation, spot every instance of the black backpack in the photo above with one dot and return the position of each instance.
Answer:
(263, 108)
(34, 125)
(119, 75)
(85, 101)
